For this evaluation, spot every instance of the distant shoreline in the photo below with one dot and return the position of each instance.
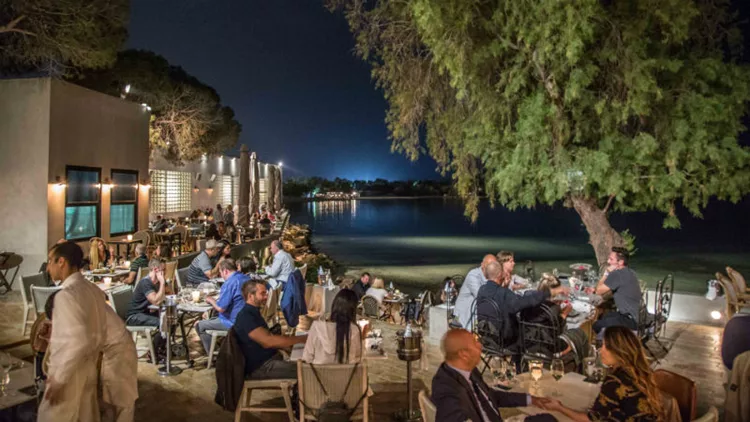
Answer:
(287, 199)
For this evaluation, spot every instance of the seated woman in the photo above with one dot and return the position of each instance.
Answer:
(212, 232)
(339, 339)
(377, 290)
(100, 254)
(629, 391)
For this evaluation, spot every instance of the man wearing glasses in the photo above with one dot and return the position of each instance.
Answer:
(149, 291)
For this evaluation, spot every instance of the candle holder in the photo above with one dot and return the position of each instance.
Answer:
(107, 281)
(130, 237)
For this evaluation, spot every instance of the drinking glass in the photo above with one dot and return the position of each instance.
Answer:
(535, 367)
(557, 367)
(511, 370)
(498, 368)
(589, 365)
(6, 363)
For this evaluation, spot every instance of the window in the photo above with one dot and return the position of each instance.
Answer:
(229, 192)
(82, 202)
(123, 212)
(170, 191)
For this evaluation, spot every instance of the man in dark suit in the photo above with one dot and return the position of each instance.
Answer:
(460, 393)
(361, 286)
(497, 291)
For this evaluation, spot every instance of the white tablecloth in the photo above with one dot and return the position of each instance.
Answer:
(574, 392)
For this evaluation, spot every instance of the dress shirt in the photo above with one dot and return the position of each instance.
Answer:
(282, 267)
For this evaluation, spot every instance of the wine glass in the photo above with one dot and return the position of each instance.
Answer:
(589, 365)
(510, 371)
(535, 367)
(498, 368)
(6, 363)
(557, 367)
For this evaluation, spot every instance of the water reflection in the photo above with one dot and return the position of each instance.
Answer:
(336, 209)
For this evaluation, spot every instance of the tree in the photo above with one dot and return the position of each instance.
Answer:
(60, 37)
(187, 120)
(601, 105)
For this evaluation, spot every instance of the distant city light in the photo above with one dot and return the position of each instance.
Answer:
(281, 164)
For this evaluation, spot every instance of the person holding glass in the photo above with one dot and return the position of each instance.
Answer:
(629, 391)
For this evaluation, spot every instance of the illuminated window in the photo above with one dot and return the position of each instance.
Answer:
(170, 191)
(123, 210)
(82, 202)
(229, 190)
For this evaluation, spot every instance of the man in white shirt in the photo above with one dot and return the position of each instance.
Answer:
(282, 267)
(468, 294)
(85, 328)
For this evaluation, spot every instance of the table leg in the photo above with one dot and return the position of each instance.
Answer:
(184, 340)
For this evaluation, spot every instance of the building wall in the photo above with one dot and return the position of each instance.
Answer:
(91, 129)
(24, 130)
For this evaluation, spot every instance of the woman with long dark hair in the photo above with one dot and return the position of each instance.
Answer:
(339, 339)
(629, 392)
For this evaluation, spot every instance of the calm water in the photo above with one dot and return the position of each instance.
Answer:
(422, 240)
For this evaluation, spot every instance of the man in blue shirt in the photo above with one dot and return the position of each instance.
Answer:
(228, 305)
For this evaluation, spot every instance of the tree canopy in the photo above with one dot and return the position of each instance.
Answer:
(188, 119)
(60, 37)
(604, 105)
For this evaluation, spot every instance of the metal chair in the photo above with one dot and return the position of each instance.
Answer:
(120, 299)
(370, 307)
(39, 296)
(182, 277)
(429, 411)
(653, 326)
(9, 261)
(540, 328)
(489, 326)
(334, 379)
(26, 282)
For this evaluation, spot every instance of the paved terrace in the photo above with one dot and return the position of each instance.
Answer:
(189, 396)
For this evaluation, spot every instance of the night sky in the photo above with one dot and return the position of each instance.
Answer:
(288, 70)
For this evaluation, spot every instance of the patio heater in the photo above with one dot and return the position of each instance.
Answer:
(409, 349)
(169, 311)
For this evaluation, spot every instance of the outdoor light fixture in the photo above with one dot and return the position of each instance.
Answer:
(145, 184)
(107, 183)
(210, 189)
(716, 315)
(196, 189)
(59, 183)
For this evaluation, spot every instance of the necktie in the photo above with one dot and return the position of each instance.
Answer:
(487, 406)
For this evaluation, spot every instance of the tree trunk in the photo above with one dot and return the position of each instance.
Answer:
(602, 236)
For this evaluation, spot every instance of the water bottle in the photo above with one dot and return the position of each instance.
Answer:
(407, 331)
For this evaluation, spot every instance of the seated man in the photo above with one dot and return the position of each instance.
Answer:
(626, 290)
(282, 267)
(259, 346)
(149, 291)
(509, 303)
(140, 262)
(459, 391)
(247, 266)
(467, 295)
(201, 270)
(229, 304)
(362, 285)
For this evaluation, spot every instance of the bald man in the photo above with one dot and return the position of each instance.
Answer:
(460, 393)
(469, 291)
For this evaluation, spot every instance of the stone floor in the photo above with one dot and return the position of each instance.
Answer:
(694, 352)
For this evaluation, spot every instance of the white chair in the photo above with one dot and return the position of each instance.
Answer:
(711, 416)
(429, 411)
(215, 334)
(142, 272)
(119, 300)
(244, 405)
(26, 282)
(334, 378)
(39, 296)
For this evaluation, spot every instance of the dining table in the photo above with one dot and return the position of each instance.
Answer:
(113, 273)
(19, 390)
(571, 390)
(392, 304)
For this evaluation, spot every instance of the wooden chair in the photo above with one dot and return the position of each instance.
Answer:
(740, 285)
(26, 282)
(370, 307)
(733, 302)
(429, 411)
(144, 237)
(244, 404)
(711, 416)
(683, 389)
(271, 311)
(334, 379)
(119, 300)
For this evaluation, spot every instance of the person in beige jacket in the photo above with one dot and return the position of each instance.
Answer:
(85, 330)
(339, 339)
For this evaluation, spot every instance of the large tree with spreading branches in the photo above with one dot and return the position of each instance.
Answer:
(188, 119)
(600, 105)
(61, 37)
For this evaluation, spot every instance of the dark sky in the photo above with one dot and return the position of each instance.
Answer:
(288, 70)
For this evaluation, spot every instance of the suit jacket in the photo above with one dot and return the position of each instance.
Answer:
(509, 305)
(455, 400)
(230, 373)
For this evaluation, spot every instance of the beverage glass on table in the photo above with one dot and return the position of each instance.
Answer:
(589, 365)
(557, 367)
(535, 367)
(499, 368)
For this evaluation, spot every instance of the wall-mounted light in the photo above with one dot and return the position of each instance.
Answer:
(59, 183)
(107, 183)
(196, 189)
(145, 184)
(210, 189)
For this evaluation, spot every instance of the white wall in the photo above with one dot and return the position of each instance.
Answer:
(24, 134)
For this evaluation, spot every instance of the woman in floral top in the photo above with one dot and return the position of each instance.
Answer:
(628, 392)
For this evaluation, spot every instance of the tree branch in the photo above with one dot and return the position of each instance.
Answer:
(11, 27)
(609, 202)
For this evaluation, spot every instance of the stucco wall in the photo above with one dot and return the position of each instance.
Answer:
(24, 129)
(91, 129)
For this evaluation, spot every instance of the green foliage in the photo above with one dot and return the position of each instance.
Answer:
(628, 240)
(539, 101)
(61, 37)
(188, 119)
